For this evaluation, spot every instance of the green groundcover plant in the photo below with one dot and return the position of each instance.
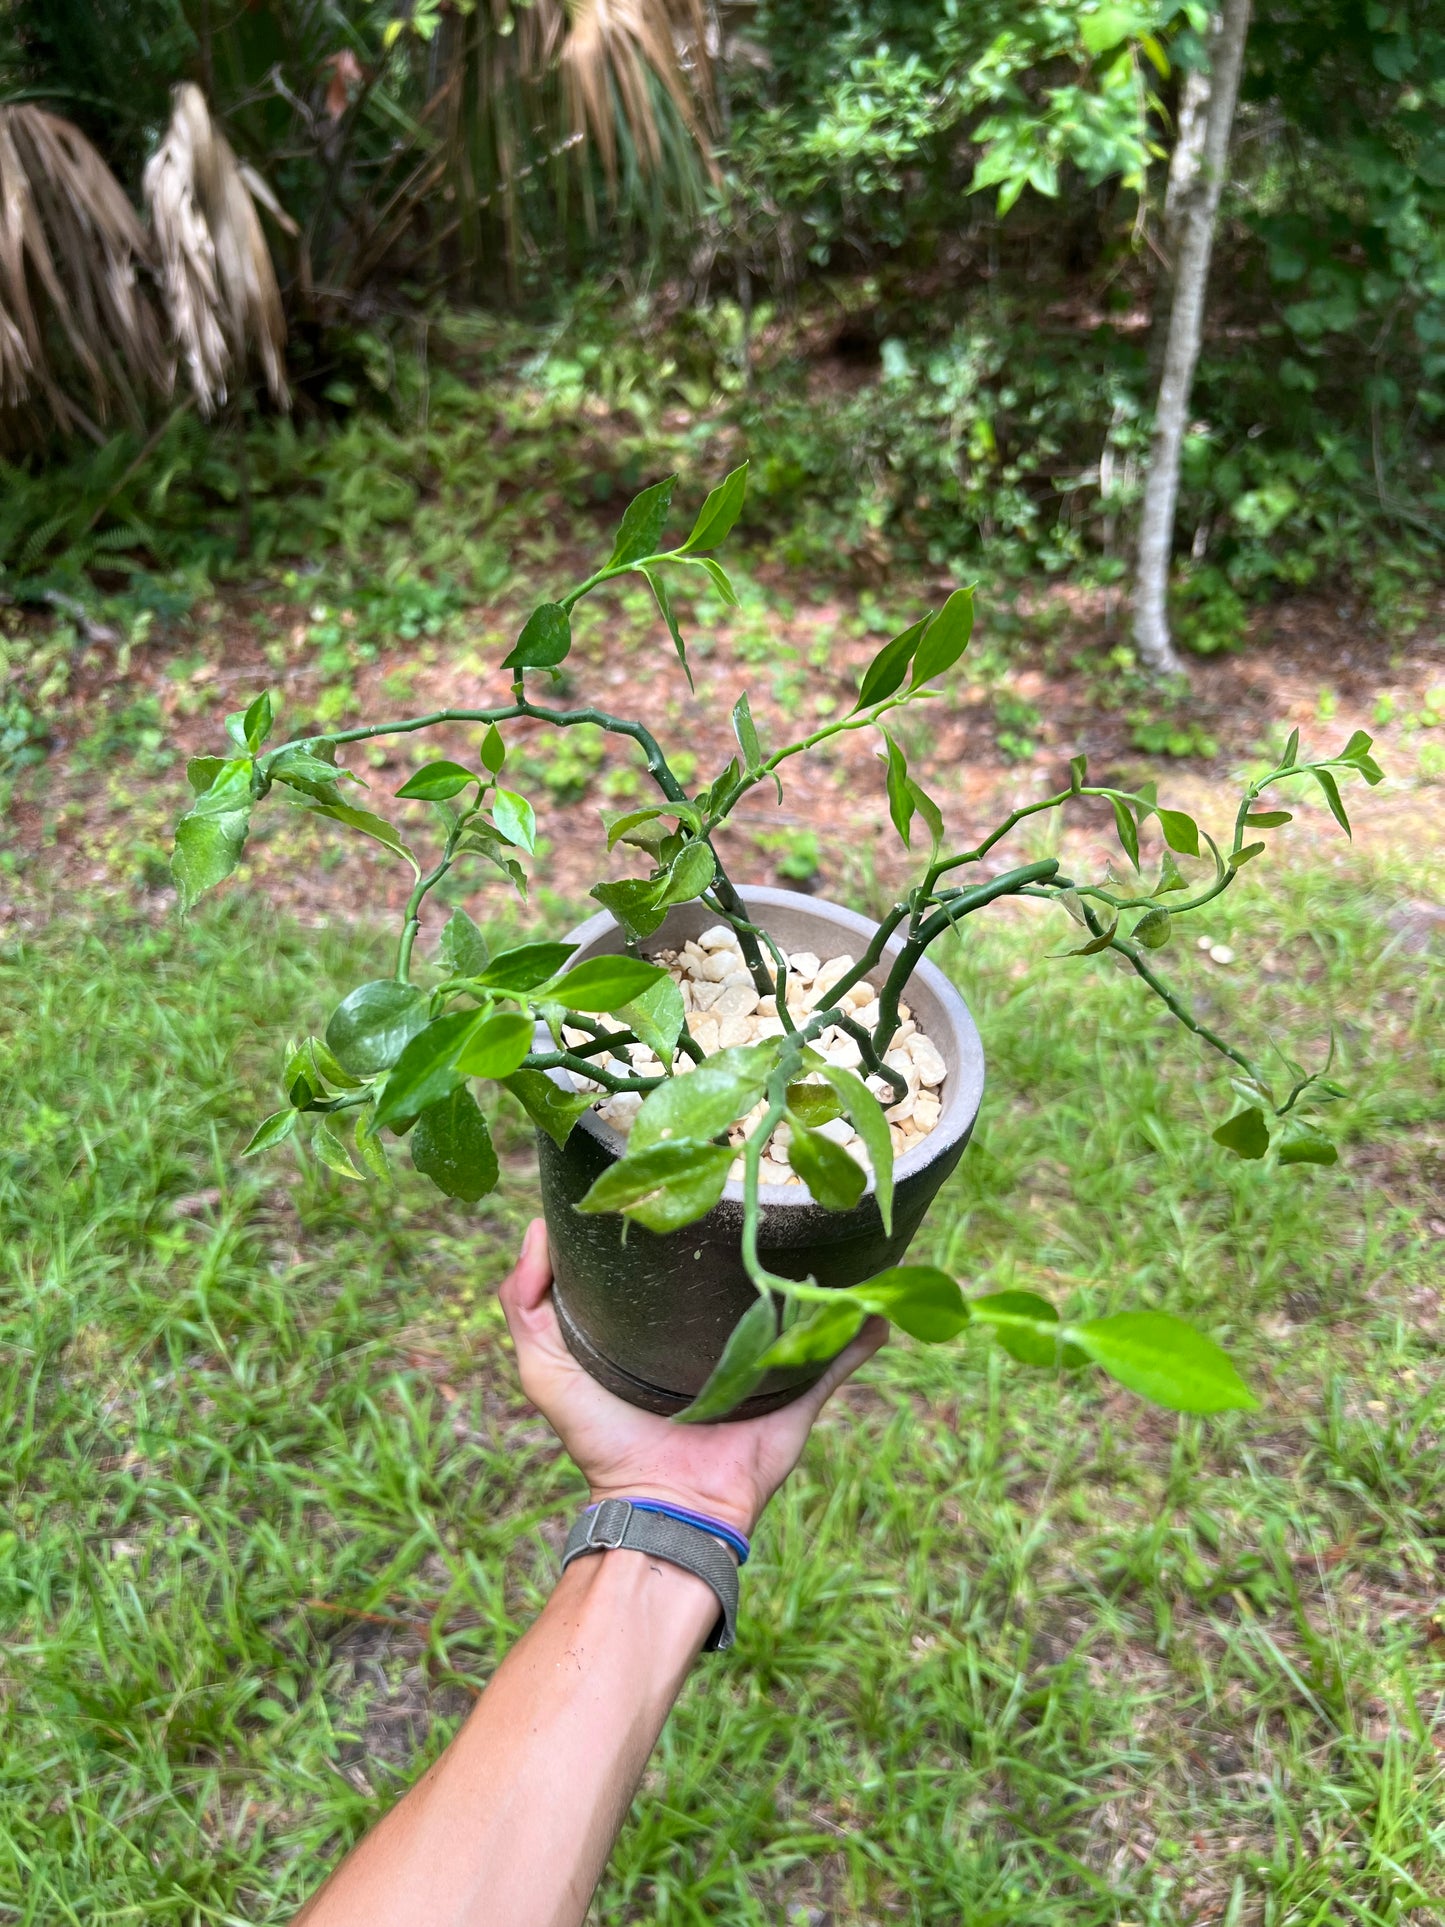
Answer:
(398, 1056)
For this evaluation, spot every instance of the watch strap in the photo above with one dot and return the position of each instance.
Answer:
(618, 1525)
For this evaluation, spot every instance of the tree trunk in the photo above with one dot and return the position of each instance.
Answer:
(1197, 207)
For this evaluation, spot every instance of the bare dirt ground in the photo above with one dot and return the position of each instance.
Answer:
(95, 816)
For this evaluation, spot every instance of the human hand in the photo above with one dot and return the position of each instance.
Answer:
(728, 1470)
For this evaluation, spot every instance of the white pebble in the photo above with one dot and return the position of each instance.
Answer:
(720, 937)
(1222, 954)
(705, 1034)
(717, 965)
(733, 1031)
(926, 1111)
(900, 1142)
(803, 964)
(771, 1172)
(834, 969)
(842, 1051)
(838, 1129)
(927, 1061)
(900, 1112)
(737, 998)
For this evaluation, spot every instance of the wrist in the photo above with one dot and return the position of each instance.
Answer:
(738, 1517)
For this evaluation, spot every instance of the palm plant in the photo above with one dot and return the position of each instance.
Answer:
(220, 286)
(79, 335)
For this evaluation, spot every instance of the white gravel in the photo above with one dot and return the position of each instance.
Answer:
(724, 1010)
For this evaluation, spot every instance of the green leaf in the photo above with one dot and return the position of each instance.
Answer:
(1302, 1144)
(212, 834)
(865, 1114)
(435, 782)
(545, 640)
(746, 731)
(1267, 819)
(1332, 796)
(835, 1180)
(640, 533)
(452, 1146)
(740, 1367)
(604, 983)
(821, 1335)
(1181, 832)
(719, 512)
(1027, 1327)
(814, 1104)
(1095, 944)
(636, 904)
(368, 824)
(1246, 1133)
(1163, 1359)
(900, 803)
(719, 578)
(202, 771)
(463, 949)
(496, 1048)
(1238, 858)
(946, 639)
(621, 823)
(1078, 770)
(920, 1299)
(888, 668)
(300, 768)
(1128, 829)
(515, 972)
(1291, 751)
(429, 1068)
(929, 811)
(248, 729)
(207, 850)
(369, 1147)
(272, 1130)
(370, 1028)
(515, 819)
(669, 616)
(1357, 748)
(1154, 928)
(665, 1186)
(656, 1018)
(704, 1102)
(256, 723)
(550, 1108)
(494, 750)
(331, 1151)
(692, 872)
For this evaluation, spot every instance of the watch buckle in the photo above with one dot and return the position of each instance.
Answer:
(607, 1527)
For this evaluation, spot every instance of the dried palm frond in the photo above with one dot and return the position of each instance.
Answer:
(72, 312)
(220, 285)
(611, 53)
(533, 100)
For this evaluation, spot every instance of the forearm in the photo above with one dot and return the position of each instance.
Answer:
(513, 1825)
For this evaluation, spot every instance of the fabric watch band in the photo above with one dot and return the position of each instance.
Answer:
(617, 1524)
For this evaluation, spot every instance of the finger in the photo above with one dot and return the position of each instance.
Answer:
(873, 1335)
(526, 1285)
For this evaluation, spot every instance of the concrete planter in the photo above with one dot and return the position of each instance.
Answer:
(649, 1319)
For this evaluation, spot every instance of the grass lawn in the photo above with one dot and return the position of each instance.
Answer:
(1013, 1650)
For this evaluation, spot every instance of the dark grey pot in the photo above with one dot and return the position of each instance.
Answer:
(649, 1318)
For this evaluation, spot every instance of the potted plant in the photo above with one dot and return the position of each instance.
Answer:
(745, 1099)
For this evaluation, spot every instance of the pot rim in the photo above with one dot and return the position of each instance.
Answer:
(962, 1049)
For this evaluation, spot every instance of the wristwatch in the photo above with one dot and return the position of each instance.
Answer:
(647, 1526)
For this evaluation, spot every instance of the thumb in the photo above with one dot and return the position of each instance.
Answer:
(525, 1288)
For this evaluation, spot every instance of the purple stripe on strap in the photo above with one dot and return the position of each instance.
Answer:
(728, 1534)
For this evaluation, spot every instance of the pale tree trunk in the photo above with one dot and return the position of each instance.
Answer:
(1196, 209)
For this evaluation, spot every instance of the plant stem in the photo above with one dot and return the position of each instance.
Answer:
(1171, 999)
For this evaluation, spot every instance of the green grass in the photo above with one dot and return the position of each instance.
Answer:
(1012, 1650)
